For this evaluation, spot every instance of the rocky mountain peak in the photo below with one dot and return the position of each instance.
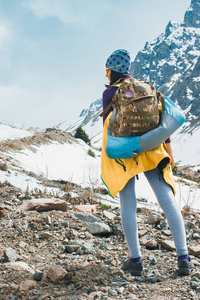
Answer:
(92, 108)
(192, 15)
(171, 62)
(171, 27)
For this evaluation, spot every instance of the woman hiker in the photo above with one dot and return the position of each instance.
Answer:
(156, 166)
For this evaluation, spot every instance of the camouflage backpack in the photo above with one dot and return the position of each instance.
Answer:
(135, 108)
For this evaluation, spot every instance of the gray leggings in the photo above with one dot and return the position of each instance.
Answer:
(168, 204)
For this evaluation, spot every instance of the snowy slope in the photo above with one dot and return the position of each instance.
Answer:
(186, 146)
(11, 132)
(69, 162)
(54, 160)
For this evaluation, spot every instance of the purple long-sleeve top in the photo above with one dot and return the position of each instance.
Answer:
(107, 96)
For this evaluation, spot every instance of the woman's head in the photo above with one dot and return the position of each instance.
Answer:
(119, 61)
(117, 64)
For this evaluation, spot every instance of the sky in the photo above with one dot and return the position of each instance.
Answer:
(53, 52)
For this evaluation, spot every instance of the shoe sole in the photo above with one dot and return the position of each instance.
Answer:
(135, 273)
(132, 272)
(184, 271)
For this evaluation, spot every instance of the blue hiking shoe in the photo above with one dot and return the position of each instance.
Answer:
(134, 269)
(185, 266)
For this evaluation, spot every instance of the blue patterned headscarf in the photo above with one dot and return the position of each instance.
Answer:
(119, 61)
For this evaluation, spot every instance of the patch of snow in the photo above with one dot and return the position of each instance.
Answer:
(8, 132)
(196, 79)
(186, 148)
(189, 94)
(56, 161)
(194, 52)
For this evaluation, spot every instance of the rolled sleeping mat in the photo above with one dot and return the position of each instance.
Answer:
(123, 147)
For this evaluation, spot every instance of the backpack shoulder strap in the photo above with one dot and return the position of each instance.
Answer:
(162, 98)
(106, 110)
(116, 84)
(112, 103)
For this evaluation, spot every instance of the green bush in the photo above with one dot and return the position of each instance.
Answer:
(81, 134)
(103, 206)
(175, 170)
(91, 153)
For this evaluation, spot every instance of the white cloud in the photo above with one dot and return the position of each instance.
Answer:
(6, 40)
(82, 13)
(4, 32)
(31, 106)
(5, 36)
(69, 12)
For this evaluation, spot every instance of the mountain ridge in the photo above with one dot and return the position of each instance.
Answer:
(172, 61)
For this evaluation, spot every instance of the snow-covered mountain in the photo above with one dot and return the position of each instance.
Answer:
(172, 63)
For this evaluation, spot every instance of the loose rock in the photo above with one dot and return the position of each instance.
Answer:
(169, 245)
(56, 273)
(27, 285)
(10, 255)
(194, 250)
(87, 217)
(98, 228)
(43, 204)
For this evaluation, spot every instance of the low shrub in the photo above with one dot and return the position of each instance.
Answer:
(91, 153)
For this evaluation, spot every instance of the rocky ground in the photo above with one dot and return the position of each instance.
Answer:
(66, 248)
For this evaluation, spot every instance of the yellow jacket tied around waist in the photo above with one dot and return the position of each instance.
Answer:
(115, 176)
